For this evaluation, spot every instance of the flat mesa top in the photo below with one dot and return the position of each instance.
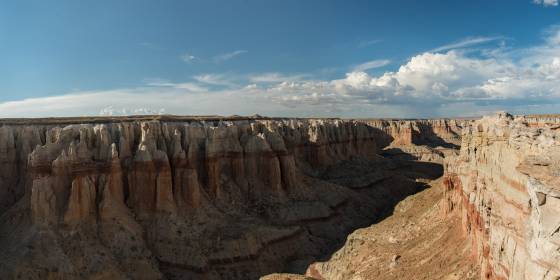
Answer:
(132, 118)
(166, 118)
(135, 118)
(186, 118)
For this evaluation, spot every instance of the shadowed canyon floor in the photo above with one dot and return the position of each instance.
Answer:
(414, 242)
(171, 197)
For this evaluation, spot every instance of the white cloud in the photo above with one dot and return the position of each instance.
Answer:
(435, 81)
(451, 83)
(467, 42)
(228, 56)
(112, 111)
(371, 65)
(546, 2)
(149, 100)
(214, 79)
(187, 86)
(274, 77)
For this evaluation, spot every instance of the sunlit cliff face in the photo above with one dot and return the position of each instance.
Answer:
(504, 186)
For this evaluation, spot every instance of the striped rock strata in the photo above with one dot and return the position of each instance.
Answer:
(427, 140)
(179, 198)
(194, 197)
(505, 184)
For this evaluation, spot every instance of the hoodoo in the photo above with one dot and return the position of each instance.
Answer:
(240, 198)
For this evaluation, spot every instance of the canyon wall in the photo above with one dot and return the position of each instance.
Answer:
(199, 197)
(505, 185)
(147, 199)
(183, 198)
(256, 156)
(427, 140)
(443, 132)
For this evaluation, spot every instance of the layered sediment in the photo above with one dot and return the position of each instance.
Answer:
(241, 197)
(499, 198)
(414, 242)
(505, 187)
(426, 140)
(437, 132)
(182, 198)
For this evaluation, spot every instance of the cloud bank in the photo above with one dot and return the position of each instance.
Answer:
(451, 80)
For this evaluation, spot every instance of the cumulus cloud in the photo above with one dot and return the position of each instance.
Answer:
(437, 79)
(546, 2)
(446, 83)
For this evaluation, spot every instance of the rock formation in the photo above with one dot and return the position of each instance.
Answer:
(414, 242)
(442, 132)
(427, 140)
(500, 203)
(505, 187)
(237, 198)
(181, 198)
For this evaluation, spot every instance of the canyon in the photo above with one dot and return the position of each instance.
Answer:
(169, 197)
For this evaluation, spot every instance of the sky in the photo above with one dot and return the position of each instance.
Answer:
(300, 58)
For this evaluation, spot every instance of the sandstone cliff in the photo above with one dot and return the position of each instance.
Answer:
(200, 197)
(442, 132)
(505, 187)
(427, 140)
(182, 198)
(501, 205)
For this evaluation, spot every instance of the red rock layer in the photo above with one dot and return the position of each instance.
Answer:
(504, 185)
(197, 198)
(166, 167)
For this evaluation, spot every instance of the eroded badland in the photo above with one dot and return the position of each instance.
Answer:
(243, 197)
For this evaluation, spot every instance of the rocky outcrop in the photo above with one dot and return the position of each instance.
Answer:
(207, 197)
(505, 187)
(443, 132)
(180, 198)
(256, 157)
(426, 140)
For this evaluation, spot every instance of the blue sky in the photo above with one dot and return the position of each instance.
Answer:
(281, 58)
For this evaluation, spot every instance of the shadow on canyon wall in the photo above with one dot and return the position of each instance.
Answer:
(383, 182)
(337, 185)
(429, 138)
